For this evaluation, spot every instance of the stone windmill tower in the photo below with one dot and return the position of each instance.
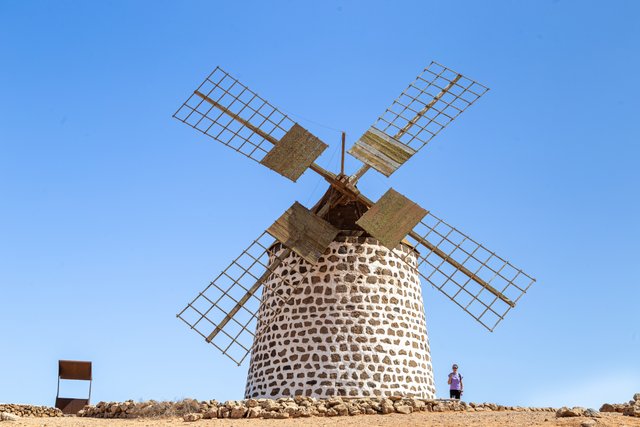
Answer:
(333, 306)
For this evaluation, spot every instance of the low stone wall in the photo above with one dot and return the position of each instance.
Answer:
(29, 410)
(193, 410)
(631, 408)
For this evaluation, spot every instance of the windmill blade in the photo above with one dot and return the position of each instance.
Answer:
(432, 101)
(391, 218)
(225, 313)
(232, 114)
(483, 284)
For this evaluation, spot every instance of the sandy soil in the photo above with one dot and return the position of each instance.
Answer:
(454, 419)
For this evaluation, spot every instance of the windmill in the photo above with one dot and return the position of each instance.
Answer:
(327, 301)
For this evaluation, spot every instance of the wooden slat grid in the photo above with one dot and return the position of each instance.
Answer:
(476, 300)
(294, 153)
(380, 151)
(214, 304)
(303, 232)
(436, 97)
(391, 218)
(239, 100)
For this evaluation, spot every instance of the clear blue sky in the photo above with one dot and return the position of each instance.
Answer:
(113, 214)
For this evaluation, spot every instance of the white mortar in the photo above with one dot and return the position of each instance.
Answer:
(355, 327)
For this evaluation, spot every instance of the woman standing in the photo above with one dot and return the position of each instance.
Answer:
(455, 383)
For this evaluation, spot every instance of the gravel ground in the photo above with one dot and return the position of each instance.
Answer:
(453, 419)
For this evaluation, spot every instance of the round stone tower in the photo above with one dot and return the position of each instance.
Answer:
(354, 325)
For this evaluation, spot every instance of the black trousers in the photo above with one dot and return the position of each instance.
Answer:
(454, 394)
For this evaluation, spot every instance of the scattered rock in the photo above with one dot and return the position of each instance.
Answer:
(192, 417)
(298, 407)
(237, 411)
(589, 423)
(590, 412)
(576, 411)
(404, 409)
(5, 416)
(210, 414)
(632, 410)
(29, 410)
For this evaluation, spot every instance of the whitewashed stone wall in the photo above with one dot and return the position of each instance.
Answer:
(355, 327)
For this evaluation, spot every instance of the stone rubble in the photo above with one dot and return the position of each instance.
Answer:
(631, 408)
(28, 411)
(5, 416)
(290, 407)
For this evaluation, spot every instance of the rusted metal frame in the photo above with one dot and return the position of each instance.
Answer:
(223, 291)
(215, 304)
(449, 104)
(440, 112)
(224, 92)
(224, 127)
(489, 306)
(463, 287)
(460, 267)
(452, 298)
(244, 106)
(471, 275)
(279, 259)
(414, 135)
(233, 280)
(236, 98)
(519, 272)
(248, 295)
(450, 276)
(316, 168)
(235, 339)
(392, 124)
(478, 246)
(491, 280)
(468, 88)
(237, 118)
(473, 297)
(232, 338)
(223, 350)
(419, 89)
(212, 343)
(427, 107)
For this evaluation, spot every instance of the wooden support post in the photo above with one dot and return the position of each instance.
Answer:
(344, 135)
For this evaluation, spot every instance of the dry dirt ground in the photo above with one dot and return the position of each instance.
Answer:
(422, 419)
